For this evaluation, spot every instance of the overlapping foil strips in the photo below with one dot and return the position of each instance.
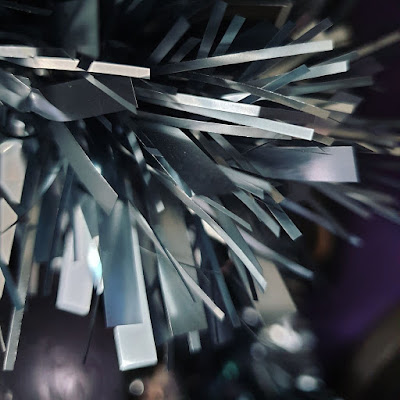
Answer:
(117, 178)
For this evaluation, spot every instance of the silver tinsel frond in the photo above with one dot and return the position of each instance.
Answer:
(124, 157)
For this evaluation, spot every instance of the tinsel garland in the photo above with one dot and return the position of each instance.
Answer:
(124, 156)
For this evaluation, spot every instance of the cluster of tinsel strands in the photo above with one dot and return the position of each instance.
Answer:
(124, 158)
